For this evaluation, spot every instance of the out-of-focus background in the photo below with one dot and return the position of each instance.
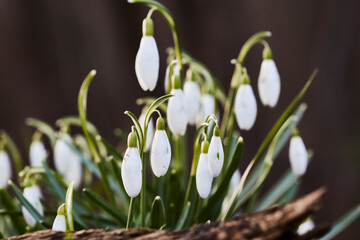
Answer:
(48, 47)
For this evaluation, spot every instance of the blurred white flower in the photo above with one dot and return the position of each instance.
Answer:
(192, 97)
(298, 156)
(59, 223)
(207, 108)
(305, 227)
(216, 154)
(203, 175)
(5, 169)
(234, 182)
(149, 133)
(33, 195)
(269, 83)
(177, 112)
(37, 153)
(245, 107)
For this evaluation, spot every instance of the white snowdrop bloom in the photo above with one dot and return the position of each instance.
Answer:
(5, 169)
(37, 153)
(149, 133)
(33, 195)
(59, 223)
(245, 107)
(131, 168)
(234, 182)
(161, 150)
(203, 175)
(305, 227)
(67, 162)
(177, 112)
(269, 83)
(207, 108)
(215, 154)
(147, 58)
(192, 97)
(298, 156)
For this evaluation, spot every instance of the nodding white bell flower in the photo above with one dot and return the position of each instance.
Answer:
(59, 223)
(269, 83)
(192, 97)
(245, 107)
(161, 150)
(131, 168)
(147, 58)
(298, 156)
(37, 153)
(67, 162)
(305, 227)
(216, 153)
(170, 70)
(203, 175)
(207, 107)
(5, 169)
(150, 131)
(33, 195)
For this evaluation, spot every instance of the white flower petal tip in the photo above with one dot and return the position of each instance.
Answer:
(5, 169)
(207, 108)
(33, 195)
(37, 153)
(234, 181)
(147, 63)
(149, 133)
(160, 153)
(131, 172)
(203, 176)
(192, 97)
(67, 162)
(306, 227)
(177, 112)
(59, 223)
(269, 83)
(245, 107)
(298, 156)
(215, 156)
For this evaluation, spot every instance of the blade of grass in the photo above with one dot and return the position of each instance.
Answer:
(69, 207)
(157, 214)
(183, 216)
(17, 220)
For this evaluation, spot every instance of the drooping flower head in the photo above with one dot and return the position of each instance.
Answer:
(59, 223)
(192, 96)
(5, 168)
(203, 175)
(208, 107)
(37, 152)
(216, 153)
(33, 195)
(298, 155)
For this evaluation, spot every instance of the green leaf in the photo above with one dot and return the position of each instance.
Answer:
(183, 216)
(43, 127)
(69, 207)
(139, 131)
(157, 214)
(117, 173)
(17, 221)
(13, 150)
(343, 223)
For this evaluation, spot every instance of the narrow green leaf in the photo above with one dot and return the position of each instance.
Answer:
(69, 207)
(157, 214)
(105, 182)
(154, 106)
(139, 131)
(183, 217)
(149, 101)
(16, 219)
(43, 127)
(75, 120)
(117, 173)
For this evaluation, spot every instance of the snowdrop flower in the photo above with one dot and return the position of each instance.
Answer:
(305, 227)
(60, 221)
(203, 175)
(149, 133)
(234, 182)
(245, 105)
(216, 153)
(161, 150)
(269, 80)
(298, 155)
(5, 169)
(177, 109)
(192, 97)
(131, 168)
(207, 107)
(33, 195)
(67, 162)
(147, 58)
(37, 153)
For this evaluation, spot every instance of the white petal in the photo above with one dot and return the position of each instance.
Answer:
(269, 83)
(298, 156)
(192, 97)
(245, 107)
(234, 181)
(215, 156)
(5, 169)
(131, 172)
(160, 153)
(306, 227)
(59, 223)
(147, 63)
(203, 176)
(207, 108)
(33, 195)
(37, 153)
(150, 131)
(177, 112)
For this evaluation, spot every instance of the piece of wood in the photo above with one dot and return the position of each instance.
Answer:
(278, 222)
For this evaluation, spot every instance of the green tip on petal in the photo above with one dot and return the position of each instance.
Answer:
(246, 78)
(295, 132)
(132, 140)
(160, 124)
(176, 81)
(205, 146)
(61, 209)
(148, 27)
(216, 131)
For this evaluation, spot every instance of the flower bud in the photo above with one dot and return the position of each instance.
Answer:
(33, 195)
(161, 150)
(5, 169)
(60, 221)
(67, 162)
(37, 153)
(203, 175)
(207, 108)
(216, 154)
(177, 112)
(269, 83)
(192, 97)
(131, 168)
(245, 107)
(298, 156)
(150, 131)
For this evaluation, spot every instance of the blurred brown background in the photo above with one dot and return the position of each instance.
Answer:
(48, 47)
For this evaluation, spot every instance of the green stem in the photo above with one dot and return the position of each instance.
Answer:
(130, 215)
